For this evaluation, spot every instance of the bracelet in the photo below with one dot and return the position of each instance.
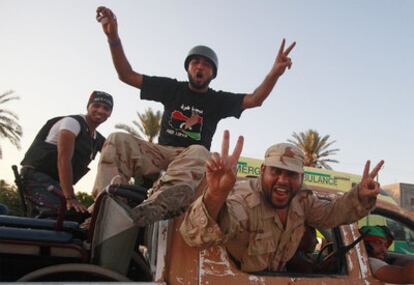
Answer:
(114, 43)
(70, 197)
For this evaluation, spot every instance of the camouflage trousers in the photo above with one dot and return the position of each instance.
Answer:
(127, 156)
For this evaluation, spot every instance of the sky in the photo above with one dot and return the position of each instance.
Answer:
(350, 77)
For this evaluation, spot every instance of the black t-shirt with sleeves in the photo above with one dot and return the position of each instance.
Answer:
(189, 117)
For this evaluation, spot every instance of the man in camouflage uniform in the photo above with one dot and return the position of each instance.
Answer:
(261, 221)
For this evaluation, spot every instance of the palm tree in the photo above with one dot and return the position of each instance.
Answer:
(315, 148)
(148, 127)
(9, 127)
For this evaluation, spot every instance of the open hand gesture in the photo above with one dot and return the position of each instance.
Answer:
(76, 205)
(221, 170)
(108, 20)
(282, 60)
(368, 188)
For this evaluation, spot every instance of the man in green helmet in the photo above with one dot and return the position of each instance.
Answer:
(377, 239)
(192, 111)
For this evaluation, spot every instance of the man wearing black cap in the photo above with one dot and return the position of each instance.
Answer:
(192, 111)
(60, 154)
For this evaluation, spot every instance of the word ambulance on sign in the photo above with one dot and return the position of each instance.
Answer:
(312, 177)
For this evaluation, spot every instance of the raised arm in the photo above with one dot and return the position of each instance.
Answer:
(110, 27)
(351, 206)
(221, 171)
(281, 63)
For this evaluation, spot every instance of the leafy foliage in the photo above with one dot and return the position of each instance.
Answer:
(84, 198)
(10, 198)
(315, 148)
(9, 127)
(149, 125)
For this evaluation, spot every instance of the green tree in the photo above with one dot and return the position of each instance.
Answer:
(10, 197)
(84, 198)
(149, 125)
(9, 127)
(315, 148)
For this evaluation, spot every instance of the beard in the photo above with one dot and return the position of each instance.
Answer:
(378, 254)
(268, 195)
(198, 86)
(268, 198)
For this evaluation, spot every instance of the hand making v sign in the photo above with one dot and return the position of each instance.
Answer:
(221, 173)
(368, 188)
(282, 60)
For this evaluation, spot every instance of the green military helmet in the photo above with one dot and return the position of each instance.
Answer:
(205, 52)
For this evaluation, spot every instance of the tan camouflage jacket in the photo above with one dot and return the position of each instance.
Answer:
(252, 232)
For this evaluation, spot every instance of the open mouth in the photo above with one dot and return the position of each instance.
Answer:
(199, 75)
(280, 193)
(280, 190)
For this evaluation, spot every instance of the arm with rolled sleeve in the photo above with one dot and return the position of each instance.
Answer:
(199, 229)
(200, 225)
(343, 210)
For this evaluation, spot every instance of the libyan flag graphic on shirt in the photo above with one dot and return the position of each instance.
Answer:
(189, 125)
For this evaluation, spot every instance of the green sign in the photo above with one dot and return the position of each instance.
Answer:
(244, 169)
(321, 179)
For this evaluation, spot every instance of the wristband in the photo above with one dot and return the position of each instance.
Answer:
(114, 43)
(70, 197)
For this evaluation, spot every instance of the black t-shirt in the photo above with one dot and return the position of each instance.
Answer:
(189, 117)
